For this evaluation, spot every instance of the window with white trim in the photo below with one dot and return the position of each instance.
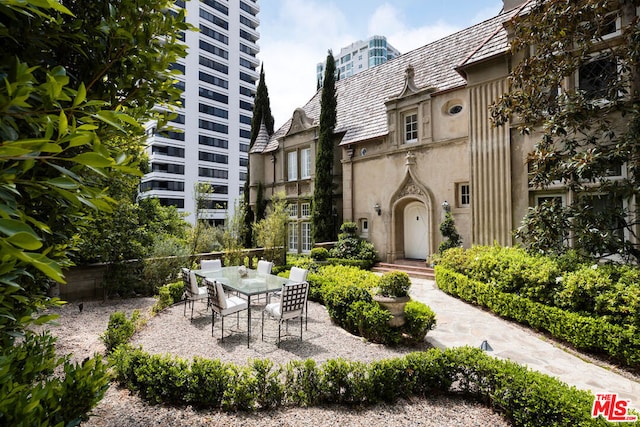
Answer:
(293, 237)
(306, 237)
(410, 128)
(293, 210)
(464, 194)
(292, 165)
(305, 163)
(305, 210)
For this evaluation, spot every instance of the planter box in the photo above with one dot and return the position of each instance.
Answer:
(395, 305)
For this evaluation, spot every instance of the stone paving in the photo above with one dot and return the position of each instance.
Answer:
(461, 324)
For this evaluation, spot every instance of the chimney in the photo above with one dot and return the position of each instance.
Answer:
(511, 4)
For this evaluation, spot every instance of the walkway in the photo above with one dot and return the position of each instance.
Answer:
(461, 324)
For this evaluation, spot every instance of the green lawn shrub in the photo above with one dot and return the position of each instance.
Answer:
(40, 388)
(303, 383)
(362, 264)
(120, 329)
(525, 397)
(394, 284)
(609, 291)
(168, 295)
(350, 249)
(347, 294)
(339, 298)
(371, 321)
(420, 319)
(319, 254)
(594, 334)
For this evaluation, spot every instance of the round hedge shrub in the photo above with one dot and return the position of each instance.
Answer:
(319, 254)
(394, 284)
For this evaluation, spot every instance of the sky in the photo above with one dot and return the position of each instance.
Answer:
(295, 35)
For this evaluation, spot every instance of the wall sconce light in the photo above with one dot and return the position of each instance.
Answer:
(376, 208)
(445, 206)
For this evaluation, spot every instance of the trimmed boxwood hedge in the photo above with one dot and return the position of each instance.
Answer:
(525, 397)
(347, 294)
(585, 333)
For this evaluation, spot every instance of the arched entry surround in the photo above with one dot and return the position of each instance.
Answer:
(410, 191)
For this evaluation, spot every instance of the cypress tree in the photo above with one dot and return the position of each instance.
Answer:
(261, 109)
(261, 113)
(323, 227)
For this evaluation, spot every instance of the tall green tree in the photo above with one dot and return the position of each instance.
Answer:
(587, 133)
(261, 109)
(322, 212)
(261, 114)
(75, 78)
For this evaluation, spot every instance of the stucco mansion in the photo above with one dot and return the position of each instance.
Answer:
(414, 137)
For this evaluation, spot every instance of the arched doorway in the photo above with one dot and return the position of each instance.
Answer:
(416, 239)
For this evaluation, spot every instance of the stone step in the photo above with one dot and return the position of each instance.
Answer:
(412, 270)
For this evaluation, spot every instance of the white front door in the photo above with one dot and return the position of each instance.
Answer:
(415, 231)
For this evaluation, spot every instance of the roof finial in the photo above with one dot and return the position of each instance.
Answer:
(409, 83)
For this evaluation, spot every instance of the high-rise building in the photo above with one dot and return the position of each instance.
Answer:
(219, 82)
(359, 56)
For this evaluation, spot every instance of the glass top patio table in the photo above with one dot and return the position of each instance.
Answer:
(253, 283)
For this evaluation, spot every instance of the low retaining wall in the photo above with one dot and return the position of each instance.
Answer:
(88, 282)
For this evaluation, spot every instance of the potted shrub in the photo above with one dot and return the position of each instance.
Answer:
(393, 294)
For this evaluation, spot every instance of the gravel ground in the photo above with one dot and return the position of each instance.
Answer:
(171, 332)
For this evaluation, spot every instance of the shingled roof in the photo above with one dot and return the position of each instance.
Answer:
(361, 98)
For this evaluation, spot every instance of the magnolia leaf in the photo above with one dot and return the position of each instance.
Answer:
(65, 171)
(92, 159)
(47, 266)
(81, 139)
(128, 119)
(97, 204)
(59, 7)
(25, 240)
(109, 117)
(67, 195)
(62, 182)
(81, 95)
(11, 151)
(45, 318)
(129, 170)
(39, 225)
(11, 226)
(35, 144)
(87, 126)
(63, 124)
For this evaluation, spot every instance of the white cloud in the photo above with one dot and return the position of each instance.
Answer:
(388, 21)
(487, 12)
(292, 45)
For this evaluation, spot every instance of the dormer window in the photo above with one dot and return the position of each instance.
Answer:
(410, 128)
